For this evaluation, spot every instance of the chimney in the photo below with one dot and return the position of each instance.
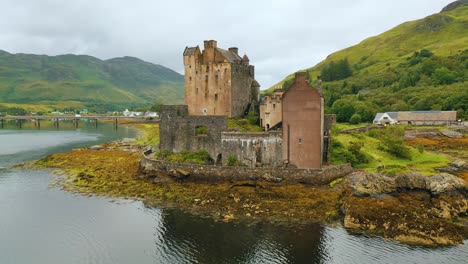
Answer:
(319, 84)
(210, 44)
(234, 50)
(300, 76)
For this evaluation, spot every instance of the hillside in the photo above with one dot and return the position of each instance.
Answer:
(418, 65)
(73, 81)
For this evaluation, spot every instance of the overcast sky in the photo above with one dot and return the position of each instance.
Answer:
(279, 36)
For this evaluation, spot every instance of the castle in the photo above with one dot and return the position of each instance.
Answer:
(219, 82)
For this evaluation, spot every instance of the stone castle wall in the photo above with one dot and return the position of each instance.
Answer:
(252, 148)
(210, 173)
(178, 131)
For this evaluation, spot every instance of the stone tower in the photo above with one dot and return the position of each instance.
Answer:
(218, 81)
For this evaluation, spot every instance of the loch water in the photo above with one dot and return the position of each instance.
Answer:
(41, 224)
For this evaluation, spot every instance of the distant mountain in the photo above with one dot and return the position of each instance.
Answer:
(80, 80)
(418, 65)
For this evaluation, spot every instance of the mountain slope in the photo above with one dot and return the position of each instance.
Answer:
(404, 68)
(114, 83)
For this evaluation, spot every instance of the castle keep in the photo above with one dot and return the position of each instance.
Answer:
(218, 82)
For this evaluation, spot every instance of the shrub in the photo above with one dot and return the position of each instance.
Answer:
(420, 148)
(355, 119)
(232, 160)
(252, 117)
(202, 130)
(358, 157)
(393, 143)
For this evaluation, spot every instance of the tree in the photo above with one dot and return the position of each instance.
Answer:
(355, 119)
(343, 110)
(443, 76)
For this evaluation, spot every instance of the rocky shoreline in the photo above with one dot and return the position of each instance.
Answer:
(410, 208)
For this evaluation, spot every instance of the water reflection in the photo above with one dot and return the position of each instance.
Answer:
(200, 240)
(42, 225)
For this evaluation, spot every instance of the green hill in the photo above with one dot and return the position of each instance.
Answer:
(73, 81)
(418, 65)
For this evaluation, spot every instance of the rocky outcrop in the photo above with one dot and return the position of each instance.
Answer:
(451, 133)
(365, 184)
(370, 184)
(444, 182)
(410, 217)
(410, 208)
(455, 5)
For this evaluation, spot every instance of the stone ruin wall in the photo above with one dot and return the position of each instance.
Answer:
(253, 149)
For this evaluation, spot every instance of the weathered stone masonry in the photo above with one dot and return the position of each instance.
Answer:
(178, 131)
(160, 168)
(218, 81)
(253, 149)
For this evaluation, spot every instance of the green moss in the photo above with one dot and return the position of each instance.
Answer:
(243, 125)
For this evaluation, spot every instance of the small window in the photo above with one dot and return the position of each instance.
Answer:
(300, 141)
(274, 106)
(190, 78)
(196, 91)
(206, 77)
(216, 77)
(216, 97)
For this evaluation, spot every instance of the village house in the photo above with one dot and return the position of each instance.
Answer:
(219, 82)
(271, 110)
(417, 118)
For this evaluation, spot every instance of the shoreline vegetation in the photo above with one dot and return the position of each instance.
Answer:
(417, 210)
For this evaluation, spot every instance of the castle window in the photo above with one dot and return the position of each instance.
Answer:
(216, 97)
(190, 78)
(216, 77)
(207, 67)
(206, 77)
(274, 106)
(196, 91)
(300, 141)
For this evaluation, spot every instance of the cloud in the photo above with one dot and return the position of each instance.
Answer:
(280, 36)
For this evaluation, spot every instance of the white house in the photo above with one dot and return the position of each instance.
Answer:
(417, 118)
(386, 118)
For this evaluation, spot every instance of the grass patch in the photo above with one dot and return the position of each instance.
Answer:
(201, 157)
(148, 134)
(380, 160)
(243, 125)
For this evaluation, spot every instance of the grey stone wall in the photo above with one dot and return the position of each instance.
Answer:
(210, 173)
(329, 121)
(178, 131)
(252, 149)
(242, 77)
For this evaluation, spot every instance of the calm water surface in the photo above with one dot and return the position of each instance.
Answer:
(39, 224)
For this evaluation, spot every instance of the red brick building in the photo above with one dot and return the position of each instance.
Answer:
(302, 124)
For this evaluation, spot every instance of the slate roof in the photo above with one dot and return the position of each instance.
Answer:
(420, 115)
(378, 116)
(229, 56)
(189, 51)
